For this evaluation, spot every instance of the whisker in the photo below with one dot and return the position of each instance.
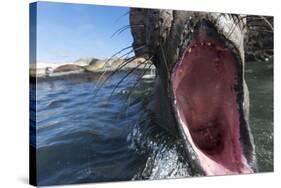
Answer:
(105, 63)
(260, 25)
(122, 79)
(126, 13)
(104, 72)
(217, 18)
(117, 54)
(254, 21)
(264, 50)
(254, 24)
(232, 26)
(140, 77)
(125, 107)
(260, 30)
(237, 20)
(124, 27)
(131, 26)
(231, 31)
(119, 31)
(165, 61)
(112, 73)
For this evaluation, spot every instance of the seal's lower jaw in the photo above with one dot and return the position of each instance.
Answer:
(204, 85)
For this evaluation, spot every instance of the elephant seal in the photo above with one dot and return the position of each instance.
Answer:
(201, 95)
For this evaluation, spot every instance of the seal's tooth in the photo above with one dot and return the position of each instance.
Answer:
(209, 44)
(189, 50)
(202, 43)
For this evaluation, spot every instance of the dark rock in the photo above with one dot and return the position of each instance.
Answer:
(93, 61)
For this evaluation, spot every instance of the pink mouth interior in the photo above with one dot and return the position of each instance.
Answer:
(206, 104)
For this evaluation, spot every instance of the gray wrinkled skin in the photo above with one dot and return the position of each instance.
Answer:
(164, 35)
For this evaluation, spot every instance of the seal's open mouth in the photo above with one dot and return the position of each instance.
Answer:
(205, 86)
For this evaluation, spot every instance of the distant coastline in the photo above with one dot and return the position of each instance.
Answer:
(43, 69)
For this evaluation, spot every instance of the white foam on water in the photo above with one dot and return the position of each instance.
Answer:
(163, 159)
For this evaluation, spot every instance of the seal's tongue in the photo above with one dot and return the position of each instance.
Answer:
(205, 85)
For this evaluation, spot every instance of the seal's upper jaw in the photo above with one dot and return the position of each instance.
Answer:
(205, 87)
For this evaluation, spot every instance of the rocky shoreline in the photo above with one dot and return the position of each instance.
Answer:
(41, 70)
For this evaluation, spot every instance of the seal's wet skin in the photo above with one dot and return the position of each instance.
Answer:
(200, 92)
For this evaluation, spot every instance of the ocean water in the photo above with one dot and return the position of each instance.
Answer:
(84, 136)
(259, 78)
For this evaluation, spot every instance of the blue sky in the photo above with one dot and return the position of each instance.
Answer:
(67, 32)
